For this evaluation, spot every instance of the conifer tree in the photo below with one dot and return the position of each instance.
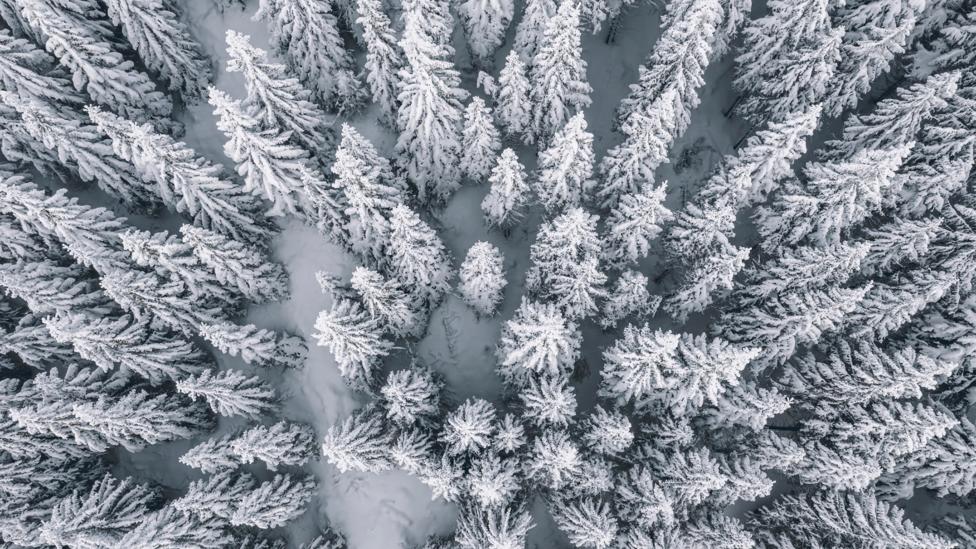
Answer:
(554, 459)
(430, 96)
(255, 345)
(384, 57)
(639, 362)
(164, 44)
(359, 443)
(387, 301)
(504, 204)
(468, 429)
(99, 517)
(558, 75)
(127, 343)
(485, 23)
(537, 339)
(417, 256)
(547, 401)
(513, 108)
(274, 503)
(479, 140)
(187, 183)
(608, 433)
(212, 455)
(47, 288)
(412, 396)
(275, 100)
(565, 167)
(34, 346)
(355, 339)
(945, 465)
(493, 527)
(482, 278)
(83, 42)
(237, 265)
(147, 294)
(629, 296)
(230, 393)
(634, 222)
(31, 73)
(588, 522)
(170, 527)
(493, 481)
(270, 165)
(307, 34)
(216, 495)
(708, 277)
(283, 443)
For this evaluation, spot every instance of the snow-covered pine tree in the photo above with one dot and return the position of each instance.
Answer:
(558, 75)
(417, 257)
(629, 296)
(531, 29)
(47, 288)
(876, 32)
(307, 34)
(640, 362)
(387, 301)
(90, 235)
(83, 41)
(82, 149)
(270, 165)
(34, 346)
(892, 304)
(355, 338)
(188, 183)
(609, 433)
(702, 283)
(274, 503)
(479, 140)
(369, 192)
(147, 294)
(898, 243)
(537, 339)
(170, 527)
(430, 113)
(216, 495)
(164, 44)
(589, 523)
(101, 516)
(565, 264)
(31, 73)
(482, 278)
(212, 455)
(276, 100)
(230, 393)
(237, 265)
(493, 527)
(359, 443)
(493, 481)
(283, 443)
(468, 429)
(126, 343)
(945, 465)
(565, 167)
(509, 194)
(548, 401)
(412, 396)
(554, 459)
(485, 23)
(384, 58)
(255, 345)
(634, 222)
(513, 108)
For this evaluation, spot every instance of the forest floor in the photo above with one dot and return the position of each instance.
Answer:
(384, 511)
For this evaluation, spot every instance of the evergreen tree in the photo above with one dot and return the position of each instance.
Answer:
(629, 296)
(230, 393)
(634, 223)
(187, 183)
(255, 345)
(537, 339)
(276, 101)
(274, 503)
(30, 73)
(558, 75)
(588, 522)
(355, 339)
(747, 405)
(307, 34)
(170, 527)
(127, 343)
(283, 443)
(359, 443)
(212, 455)
(485, 23)
(609, 433)
(504, 204)
(216, 495)
(530, 33)
(417, 257)
(270, 165)
(554, 460)
(548, 401)
(34, 346)
(164, 44)
(146, 294)
(513, 108)
(384, 58)
(482, 278)
(237, 265)
(48, 288)
(84, 42)
(468, 429)
(387, 301)
(493, 481)
(479, 140)
(99, 517)
(430, 96)
(412, 396)
(945, 465)
(639, 363)
(493, 527)
(700, 284)
(565, 167)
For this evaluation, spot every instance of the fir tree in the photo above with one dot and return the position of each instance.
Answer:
(48, 288)
(187, 183)
(417, 257)
(701, 283)
(386, 300)
(354, 337)
(554, 460)
(468, 429)
(283, 443)
(146, 294)
(216, 495)
(83, 42)
(164, 44)
(307, 34)
(237, 265)
(482, 278)
(565, 167)
(504, 204)
(170, 527)
(30, 73)
(558, 75)
(493, 527)
(485, 23)
(276, 101)
(384, 58)
(230, 393)
(640, 362)
(274, 503)
(548, 401)
(609, 433)
(530, 33)
(255, 345)
(513, 108)
(493, 481)
(537, 339)
(628, 297)
(634, 223)
(359, 443)
(212, 455)
(412, 396)
(34, 346)
(588, 522)
(479, 140)
(945, 465)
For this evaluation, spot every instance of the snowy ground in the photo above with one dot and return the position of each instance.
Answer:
(394, 509)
